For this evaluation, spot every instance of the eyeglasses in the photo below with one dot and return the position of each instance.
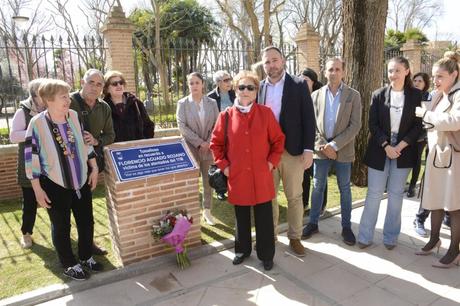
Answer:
(227, 80)
(116, 83)
(248, 87)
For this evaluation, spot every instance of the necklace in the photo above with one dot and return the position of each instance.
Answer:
(67, 147)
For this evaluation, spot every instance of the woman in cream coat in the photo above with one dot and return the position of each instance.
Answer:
(196, 115)
(442, 177)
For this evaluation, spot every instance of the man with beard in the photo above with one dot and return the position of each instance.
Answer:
(290, 101)
(96, 117)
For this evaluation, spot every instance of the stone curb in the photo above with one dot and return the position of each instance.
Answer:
(52, 292)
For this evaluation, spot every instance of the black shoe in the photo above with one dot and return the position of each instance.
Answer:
(309, 230)
(411, 192)
(363, 245)
(239, 258)
(221, 196)
(98, 250)
(268, 265)
(76, 273)
(92, 265)
(348, 236)
(389, 246)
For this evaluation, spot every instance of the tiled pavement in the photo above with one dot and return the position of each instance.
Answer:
(331, 273)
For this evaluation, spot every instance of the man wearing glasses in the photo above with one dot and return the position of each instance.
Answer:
(96, 118)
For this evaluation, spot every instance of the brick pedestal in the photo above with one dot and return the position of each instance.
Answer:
(134, 206)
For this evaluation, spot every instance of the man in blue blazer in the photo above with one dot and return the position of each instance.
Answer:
(290, 101)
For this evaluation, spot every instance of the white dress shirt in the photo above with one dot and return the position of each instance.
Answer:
(274, 95)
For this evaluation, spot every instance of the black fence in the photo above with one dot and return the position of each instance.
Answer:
(29, 57)
(22, 60)
(180, 57)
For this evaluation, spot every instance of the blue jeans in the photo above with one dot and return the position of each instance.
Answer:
(321, 169)
(395, 179)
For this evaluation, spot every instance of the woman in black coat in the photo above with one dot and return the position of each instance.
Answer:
(130, 119)
(391, 152)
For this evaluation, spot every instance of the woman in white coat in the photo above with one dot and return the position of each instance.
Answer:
(196, 116)
(442, 176)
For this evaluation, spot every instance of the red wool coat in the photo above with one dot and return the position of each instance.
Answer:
(253, 139)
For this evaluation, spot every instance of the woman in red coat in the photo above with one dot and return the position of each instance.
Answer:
(255, 143)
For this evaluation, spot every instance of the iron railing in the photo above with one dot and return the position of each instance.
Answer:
(31, 57)
(182, 56)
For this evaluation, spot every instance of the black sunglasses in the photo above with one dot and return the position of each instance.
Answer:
(115, 83)
(248, 87)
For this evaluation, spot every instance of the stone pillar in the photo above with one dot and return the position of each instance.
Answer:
(118, 32)
(412, 50)
(307, 40)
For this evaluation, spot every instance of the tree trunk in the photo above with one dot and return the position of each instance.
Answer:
(267, 39)
(363, 36)
(164, 84)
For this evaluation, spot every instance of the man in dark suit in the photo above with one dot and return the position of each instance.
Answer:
(290, 101)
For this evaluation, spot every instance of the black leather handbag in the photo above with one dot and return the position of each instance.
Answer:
(217, 178)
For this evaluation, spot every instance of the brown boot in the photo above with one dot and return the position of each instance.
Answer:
(297, 247)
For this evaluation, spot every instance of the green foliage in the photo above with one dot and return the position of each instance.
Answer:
(179, 19)
(184, 26)
(10, 87)
(394, 39)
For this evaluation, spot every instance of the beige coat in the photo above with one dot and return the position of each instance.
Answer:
(190, 126)
(347, 125)
(442, 172)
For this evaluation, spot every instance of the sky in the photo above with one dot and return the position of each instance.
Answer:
(445, 27)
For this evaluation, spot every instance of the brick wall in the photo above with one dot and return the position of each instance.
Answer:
(134, 206)
(9, 188)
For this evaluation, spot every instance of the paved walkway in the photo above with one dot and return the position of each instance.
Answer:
(332, 273)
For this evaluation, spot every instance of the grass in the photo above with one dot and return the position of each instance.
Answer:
(225, 218)
(25, 270)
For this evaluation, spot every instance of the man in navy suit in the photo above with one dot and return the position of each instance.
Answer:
(290, 101)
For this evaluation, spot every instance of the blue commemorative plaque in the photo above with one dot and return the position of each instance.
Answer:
(140, 162)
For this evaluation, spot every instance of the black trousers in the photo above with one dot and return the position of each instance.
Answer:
(63, 203)
(265, 235)
(29, 210)
(416, 170)
(307, 175)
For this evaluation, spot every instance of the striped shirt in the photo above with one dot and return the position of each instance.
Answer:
(44, 156)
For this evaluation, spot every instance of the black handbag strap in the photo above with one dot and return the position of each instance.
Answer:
(82, 113)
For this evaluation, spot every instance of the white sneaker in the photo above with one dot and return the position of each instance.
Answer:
(208, 217)
(26, 241)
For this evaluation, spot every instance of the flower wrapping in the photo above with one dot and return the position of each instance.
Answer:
(177, 236)
(172, 229)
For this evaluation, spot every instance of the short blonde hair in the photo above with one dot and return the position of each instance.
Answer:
(49, 88)
(108, 76)
(245, 74)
